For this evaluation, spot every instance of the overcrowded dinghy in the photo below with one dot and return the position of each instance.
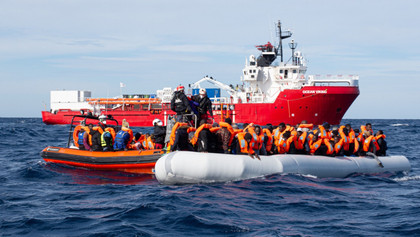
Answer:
(184, 167)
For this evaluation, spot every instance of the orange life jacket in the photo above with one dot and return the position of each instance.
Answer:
(245, 147)
(284, 145)
(150, 144)
(368, 141)
(338, 146)
(380, 136)
(324, 133)
(309, 126)
(301, 141)
(269, 143)
(197, 132)
(352, 136)
(346, 139)
(315, 145)
(363, 129)
(174, 128)
(76, 134)
(258, 138)
(230, 129)
(112, 132)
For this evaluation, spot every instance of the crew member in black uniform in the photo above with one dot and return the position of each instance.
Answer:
(180, 104)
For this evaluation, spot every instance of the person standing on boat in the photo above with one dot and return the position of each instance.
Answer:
(204, 105)
(159, 132)
(180, 104)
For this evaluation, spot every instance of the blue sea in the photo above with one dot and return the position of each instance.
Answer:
(39, 199)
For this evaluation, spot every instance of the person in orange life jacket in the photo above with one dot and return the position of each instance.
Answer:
(204, 105)
(96, 139)
(224, 137)
(360, 139)
(159, 132)
(324, 130)
(268, 139)
(245, 145)
(258, 138)
(318, 146)
(204, 137)
(370, 144)
(367, 127)
(302, 146)
(380, 139)
(277, 136)
(137, 141)
(181, 142)
(287, 144)
(338, 144)
(352, 138)
(180, 104)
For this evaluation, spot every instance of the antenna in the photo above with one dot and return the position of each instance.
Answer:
(293, 46)
(282, 35)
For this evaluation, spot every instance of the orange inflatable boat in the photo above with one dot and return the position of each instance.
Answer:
(131, 161)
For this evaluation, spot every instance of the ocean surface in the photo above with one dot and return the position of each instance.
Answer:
(39, 199)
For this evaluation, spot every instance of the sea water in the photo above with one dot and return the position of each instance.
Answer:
(40, 199)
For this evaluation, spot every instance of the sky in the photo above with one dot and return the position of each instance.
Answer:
(96, 44)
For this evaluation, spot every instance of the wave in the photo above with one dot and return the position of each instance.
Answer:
(399, 124)
(407, 178)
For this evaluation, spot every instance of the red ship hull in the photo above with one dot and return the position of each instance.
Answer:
(315, 104)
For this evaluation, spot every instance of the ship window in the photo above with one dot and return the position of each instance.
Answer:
(252, 76)
(252, 63)
(250, 71)
(281, 71)
(254, 71)
(294, 70)
(285, 73)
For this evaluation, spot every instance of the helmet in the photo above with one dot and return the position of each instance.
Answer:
(202, 91)
(180, 88)
(157, 122)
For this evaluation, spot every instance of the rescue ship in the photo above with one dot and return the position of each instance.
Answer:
(270, 92)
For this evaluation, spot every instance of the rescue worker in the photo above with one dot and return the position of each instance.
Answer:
(180, 104)
(106, 141)
(159, 133)
(380, 139)
(204, 105)
(121, 140)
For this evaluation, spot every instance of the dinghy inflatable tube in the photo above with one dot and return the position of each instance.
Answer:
(184, 167)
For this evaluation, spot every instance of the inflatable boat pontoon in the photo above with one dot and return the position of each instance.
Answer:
(184, 167)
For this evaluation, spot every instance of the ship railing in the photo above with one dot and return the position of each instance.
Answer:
(336, 80)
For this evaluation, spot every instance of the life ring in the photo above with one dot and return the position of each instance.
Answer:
(302, 77)
(76, 135)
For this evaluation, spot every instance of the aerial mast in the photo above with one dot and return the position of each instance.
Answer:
(282, 35)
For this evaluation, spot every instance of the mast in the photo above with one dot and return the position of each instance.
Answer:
(282, 35)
